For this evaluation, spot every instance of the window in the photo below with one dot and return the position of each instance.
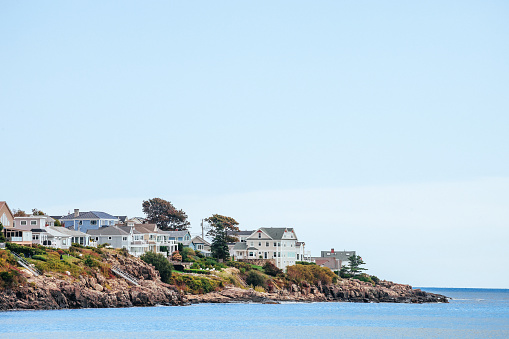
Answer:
(23, 222)
(259, 235)
(275, 245)
(275, 254)
(251, 254)
(33, 222)
(109, 238)
(279, 254)
(93, 222)
(96, 238)
(80, 222)
(124, 238)
(267, 244)
(64, 241)
(260, 244)
(252, 243)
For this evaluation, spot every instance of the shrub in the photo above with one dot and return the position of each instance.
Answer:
(39, 257)
(195, 285)
(88, 261)
(304, 263)
(311, 273)
(256, 278)
(27, 251)
(272, 269)
(10, 278)
(161, 263)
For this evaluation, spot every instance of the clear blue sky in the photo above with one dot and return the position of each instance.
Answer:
(374, 123)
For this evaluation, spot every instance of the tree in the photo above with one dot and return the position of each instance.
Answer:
(165, 215)
(161, 263)
(354, 263)
(19, 213)
(2, 237)
(57, 223)
(35, 211)
(219, 227)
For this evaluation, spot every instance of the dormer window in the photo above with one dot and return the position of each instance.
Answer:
(259, 235)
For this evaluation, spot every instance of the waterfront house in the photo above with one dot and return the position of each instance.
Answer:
(112, 235)
(61, 237)
(200, 244)
(158, 241)
(84, 221)
(340, 256)
(33, 221)
(180, 237)
(276, 243)
(18, 236)
(6, 216)
(40, 237)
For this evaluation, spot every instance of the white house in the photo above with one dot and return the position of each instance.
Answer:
(278, 244)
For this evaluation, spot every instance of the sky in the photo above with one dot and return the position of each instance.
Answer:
(379, 127)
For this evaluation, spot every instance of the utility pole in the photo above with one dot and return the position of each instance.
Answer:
(202, 231)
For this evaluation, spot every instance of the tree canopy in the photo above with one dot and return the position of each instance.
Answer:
(165, 215)
(35, 211)
(219, 227)
(353, 268)
(19, 213)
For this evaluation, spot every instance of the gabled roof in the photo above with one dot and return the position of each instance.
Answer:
(2, 203)
(146, 228)
(175, 234)
(64, 231)
(110, 230)
(252, 249)
(199, 240)
(89, 215)
(276, 233)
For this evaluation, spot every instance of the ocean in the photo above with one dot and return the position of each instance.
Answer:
(472, 313)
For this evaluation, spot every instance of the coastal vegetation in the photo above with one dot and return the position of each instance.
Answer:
(219, 227)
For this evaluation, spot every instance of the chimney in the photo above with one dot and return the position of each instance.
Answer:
(76, 212)
(332, 250)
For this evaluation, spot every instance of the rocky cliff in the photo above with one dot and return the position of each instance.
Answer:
(56, 291)
(347, 290)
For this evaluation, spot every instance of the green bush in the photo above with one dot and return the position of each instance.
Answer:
(195, 285)
(256, 278)
(272, 269)
(161, 263)
(27, 251)
(39, 257)
(304, 263)
(88, 261)
(10, 279)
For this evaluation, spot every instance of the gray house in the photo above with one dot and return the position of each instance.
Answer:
(113, 235)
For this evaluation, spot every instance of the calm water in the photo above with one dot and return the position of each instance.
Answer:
(477, 313)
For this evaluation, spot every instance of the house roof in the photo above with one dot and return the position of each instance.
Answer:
(240, 246)
(89, 215)
(239, 232)
(252, 249)
(38, 230)
(276, 233)
(122, 218)
(64, 231)
(199, 240)
(110, 230)
(322, 261)
(146, 228)
(2, 203)
(175, 234)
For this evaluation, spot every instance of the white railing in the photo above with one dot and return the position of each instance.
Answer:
(125, 275)
(26, 264)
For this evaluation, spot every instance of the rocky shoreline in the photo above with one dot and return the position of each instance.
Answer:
(343, 291)
(58, 291)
